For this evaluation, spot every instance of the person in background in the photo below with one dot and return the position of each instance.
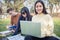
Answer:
(25, 16)
(14, 20)
(47, 26)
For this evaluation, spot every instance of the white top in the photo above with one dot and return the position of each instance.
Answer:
(47, 25)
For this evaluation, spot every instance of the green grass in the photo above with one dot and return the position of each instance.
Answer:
(57, 26)
(3, 24)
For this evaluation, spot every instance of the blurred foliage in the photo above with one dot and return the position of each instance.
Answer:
(54, 1)
(16, 4)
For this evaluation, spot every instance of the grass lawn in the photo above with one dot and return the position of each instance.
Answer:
(3, 24)
(57, 26)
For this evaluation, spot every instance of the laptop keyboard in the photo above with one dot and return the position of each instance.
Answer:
(16, 37)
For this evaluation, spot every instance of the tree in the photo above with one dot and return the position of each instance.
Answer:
(16, 4)
(53, 2)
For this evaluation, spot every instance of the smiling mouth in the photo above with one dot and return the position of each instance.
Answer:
(39, 10)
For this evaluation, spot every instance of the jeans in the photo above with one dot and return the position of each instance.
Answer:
(12, 28)
(45, 38)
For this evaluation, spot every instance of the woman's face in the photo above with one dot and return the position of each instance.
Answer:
(39, 8)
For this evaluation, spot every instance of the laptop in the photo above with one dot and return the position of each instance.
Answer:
(30, 28)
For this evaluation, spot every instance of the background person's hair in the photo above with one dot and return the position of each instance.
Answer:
(25, 10)
(10, 9)
(44, 9)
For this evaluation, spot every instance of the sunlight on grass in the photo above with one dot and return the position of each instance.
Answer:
(57, 26)
(4, 23)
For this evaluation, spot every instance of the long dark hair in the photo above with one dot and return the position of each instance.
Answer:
(44, 9)
(23, 11)
(29, 17)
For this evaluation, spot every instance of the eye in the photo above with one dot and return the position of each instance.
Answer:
(37, 6)
(40, 6)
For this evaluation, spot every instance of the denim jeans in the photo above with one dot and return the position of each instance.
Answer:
(45, 38)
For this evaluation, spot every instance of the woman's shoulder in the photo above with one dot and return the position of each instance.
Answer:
(49, 16)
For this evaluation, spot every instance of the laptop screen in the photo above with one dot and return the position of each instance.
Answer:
(30, 28)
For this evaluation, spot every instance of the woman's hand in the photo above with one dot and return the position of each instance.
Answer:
(13, 31)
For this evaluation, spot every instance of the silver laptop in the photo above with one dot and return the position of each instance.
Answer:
(30, 28)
